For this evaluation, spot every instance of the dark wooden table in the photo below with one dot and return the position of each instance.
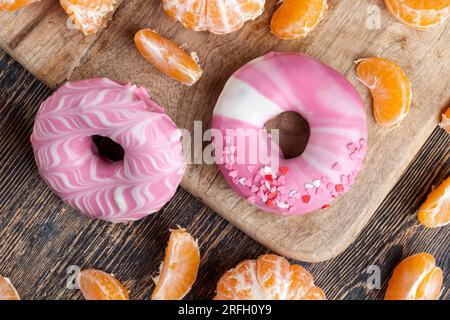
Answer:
(40, 237)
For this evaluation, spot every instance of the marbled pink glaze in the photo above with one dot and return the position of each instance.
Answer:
(280, 82)
(120, 191)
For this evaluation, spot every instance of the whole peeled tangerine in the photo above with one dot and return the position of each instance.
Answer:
(68, 160)
(267, 87)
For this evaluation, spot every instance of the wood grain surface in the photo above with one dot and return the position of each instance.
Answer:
(39, 39)
(40, 237)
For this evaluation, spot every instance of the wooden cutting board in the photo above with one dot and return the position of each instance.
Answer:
(39, 39)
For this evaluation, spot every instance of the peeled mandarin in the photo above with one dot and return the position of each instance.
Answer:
(89, 16)
(216, 16)
(295, 19)
(269, 277)
(419, 14)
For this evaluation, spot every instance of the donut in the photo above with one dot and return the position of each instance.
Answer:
(69, 162)
(260, 91)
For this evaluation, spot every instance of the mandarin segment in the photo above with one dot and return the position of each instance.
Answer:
(415, 278)
(272, 272)
(7, 290)
(99, 285)
(445, 122)
(179, 268)
(13, 5)
(269, 277)
(295, 19)
(191, 14)
(390, 89)
(301, 284)
(243, 277)
(314, 294)
(435, 211)
(431, 285)
(89, 16)
(216, 16)
(419, 14)
(169, 58)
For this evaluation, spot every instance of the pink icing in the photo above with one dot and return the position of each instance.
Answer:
(280, 82)
(120, 191)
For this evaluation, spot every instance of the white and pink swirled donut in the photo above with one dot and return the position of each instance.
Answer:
(67, 159)
(269, 86)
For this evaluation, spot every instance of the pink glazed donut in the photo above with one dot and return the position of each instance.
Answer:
(269, 86)
(67, 158)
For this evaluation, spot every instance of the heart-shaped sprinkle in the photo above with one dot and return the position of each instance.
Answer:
(284, 170)
(339, 188)
(306, 198)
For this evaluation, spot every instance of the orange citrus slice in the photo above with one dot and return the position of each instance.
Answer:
(419, 14)
(7, 290)
(435, 212)
(269, 277)
(295, 19)
(89, 16)
(179, 268)
(166, 56)
(445, 122)
(216, 16)
(99, 285)
(390, 89)
(415, 278)
(12, 5)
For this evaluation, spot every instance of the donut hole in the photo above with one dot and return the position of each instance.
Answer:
(107, 148)
(294, 133)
